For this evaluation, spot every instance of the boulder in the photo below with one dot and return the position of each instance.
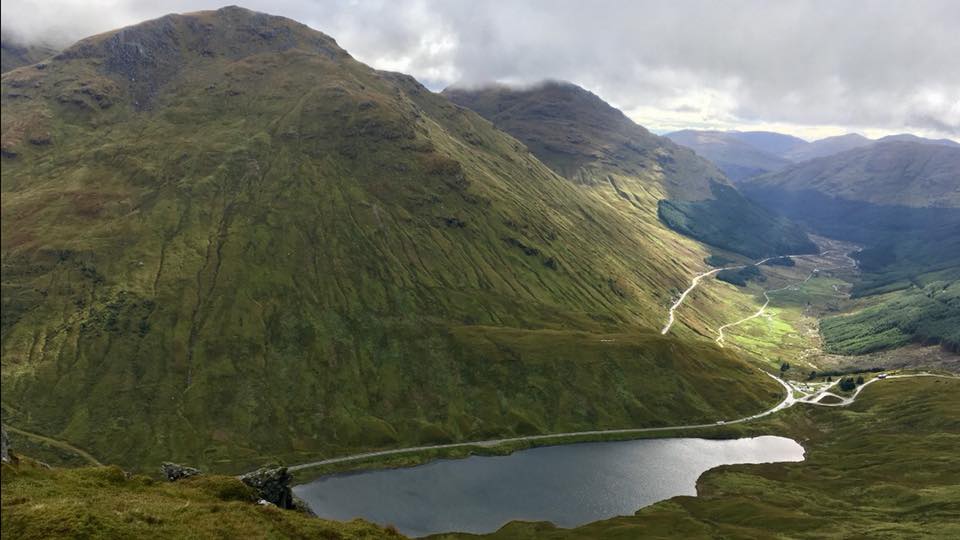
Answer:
(271, 485)
(175, 472)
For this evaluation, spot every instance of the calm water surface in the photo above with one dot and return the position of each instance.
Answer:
(569, 485)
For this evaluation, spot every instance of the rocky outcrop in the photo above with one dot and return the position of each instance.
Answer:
(272, 485)
(174, 472)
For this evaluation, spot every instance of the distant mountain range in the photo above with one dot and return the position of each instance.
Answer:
(894, 171)
(743, 154)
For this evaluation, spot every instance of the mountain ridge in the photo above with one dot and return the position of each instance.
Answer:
(741, 156)
(591, 143)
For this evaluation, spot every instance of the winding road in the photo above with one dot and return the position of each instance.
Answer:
(815, 399)
(788, 401)
(767, 293)
(671, 318)
(693, 285)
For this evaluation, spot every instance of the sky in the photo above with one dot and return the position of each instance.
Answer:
(811, 68)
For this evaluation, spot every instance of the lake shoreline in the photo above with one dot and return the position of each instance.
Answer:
(568, 485)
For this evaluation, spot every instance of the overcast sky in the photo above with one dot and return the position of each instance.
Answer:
(811, 68)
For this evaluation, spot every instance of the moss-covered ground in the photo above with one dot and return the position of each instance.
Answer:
(105, 502)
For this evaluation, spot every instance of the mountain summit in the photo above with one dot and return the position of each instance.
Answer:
(574, 131)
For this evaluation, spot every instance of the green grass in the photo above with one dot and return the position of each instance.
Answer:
(929, 315)
(884, 467)
(106, 502)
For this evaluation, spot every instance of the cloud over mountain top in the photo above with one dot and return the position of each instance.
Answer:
(814, 67)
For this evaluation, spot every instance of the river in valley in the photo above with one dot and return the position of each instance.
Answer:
(568, 485)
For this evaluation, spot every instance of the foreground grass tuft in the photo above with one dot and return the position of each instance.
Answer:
(106, 502)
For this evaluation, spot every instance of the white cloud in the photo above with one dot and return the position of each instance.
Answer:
(808, 67)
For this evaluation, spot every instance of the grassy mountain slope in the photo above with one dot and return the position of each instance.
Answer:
(583, 138)
(224, 239)
(737, 158)
(575, 132)
(105, 502)
(882, 468)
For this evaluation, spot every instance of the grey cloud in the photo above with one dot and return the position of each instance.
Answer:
(861, 64)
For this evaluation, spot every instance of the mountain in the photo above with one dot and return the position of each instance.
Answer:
(901, 201)
(827, 147)
(745, 154)
(909, 137)
(912, 174)
(14, 53)
(778, 144)
(593, 144)
(225, 240)
(737, 158)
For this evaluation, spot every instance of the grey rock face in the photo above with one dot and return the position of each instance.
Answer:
(272, 485)
(174, 472)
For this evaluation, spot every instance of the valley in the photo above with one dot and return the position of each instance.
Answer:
(236, 253)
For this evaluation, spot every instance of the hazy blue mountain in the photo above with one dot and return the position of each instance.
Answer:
(736, 157)
(744, 154)
(900, 200)
(827, 147)
(777, 144)
(913, 138)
